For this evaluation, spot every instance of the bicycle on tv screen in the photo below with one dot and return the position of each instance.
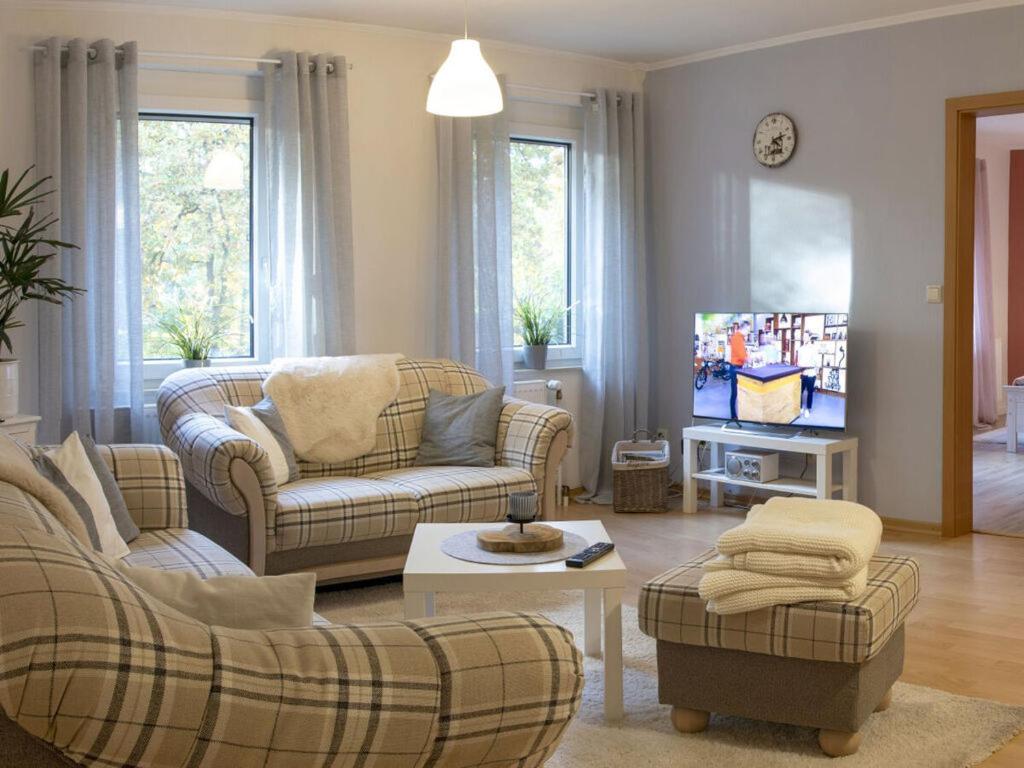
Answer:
(782, 369)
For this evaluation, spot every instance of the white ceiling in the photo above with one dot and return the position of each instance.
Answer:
(637, 31)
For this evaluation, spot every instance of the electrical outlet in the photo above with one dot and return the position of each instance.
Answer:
(662, 433)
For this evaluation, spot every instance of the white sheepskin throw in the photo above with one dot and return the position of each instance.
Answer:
(330, 405)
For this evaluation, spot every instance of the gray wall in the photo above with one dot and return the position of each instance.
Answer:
(859, 209)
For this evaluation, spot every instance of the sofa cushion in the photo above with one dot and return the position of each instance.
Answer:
(332, 510)
(460, 494)
(671, 609)
(181, 549)
(460, 430)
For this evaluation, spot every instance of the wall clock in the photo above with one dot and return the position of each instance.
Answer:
(774, 139)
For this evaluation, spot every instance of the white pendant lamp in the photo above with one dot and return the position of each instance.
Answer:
(465, 86)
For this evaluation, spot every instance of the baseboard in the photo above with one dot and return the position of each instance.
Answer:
(911, 526)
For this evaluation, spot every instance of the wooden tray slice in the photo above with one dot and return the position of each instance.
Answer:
(536, 537)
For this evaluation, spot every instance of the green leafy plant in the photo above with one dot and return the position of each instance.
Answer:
(193, 332)
(24, 251)
(538, 320)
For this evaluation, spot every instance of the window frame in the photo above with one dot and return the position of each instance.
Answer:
(571, 352)
(226, 110)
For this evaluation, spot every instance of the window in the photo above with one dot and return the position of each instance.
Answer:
(195, 196)
(542, 236)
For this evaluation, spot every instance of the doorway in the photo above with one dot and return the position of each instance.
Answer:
(982, 480)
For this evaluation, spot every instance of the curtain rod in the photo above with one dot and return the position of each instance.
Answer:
(195, 57)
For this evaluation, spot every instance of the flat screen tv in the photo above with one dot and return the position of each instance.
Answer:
(780, 369)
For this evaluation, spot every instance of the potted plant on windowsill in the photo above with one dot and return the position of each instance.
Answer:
(193, 333)
(538, 322)
(25, 250)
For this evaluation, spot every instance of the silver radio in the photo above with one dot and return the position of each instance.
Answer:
(753, 465)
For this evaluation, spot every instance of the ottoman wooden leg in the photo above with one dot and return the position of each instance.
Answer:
(838, 743)
(885, 702)
(689, 720)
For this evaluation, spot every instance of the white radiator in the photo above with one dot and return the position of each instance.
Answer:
(544, 392)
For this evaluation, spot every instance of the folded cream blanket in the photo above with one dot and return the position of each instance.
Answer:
(715, 585)
(756, 599)
(330, 405)
(803, 538)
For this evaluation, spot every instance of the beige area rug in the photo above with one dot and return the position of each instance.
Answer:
(924, 727)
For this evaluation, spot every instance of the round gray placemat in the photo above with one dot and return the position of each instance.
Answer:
(462, 546)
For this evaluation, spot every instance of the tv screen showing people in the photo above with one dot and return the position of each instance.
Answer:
(782, 369)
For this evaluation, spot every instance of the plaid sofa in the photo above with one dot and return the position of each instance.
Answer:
(353, 519)
(94, 671)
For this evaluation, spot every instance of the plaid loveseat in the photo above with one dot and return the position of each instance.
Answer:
(94, 671)
(353, 519)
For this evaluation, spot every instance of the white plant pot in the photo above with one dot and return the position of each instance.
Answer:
(8, 388)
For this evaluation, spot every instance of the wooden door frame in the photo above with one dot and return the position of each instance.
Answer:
(958, 316)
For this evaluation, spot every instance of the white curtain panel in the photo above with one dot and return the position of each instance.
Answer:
(474, 247)
(308, 205)
(614, 287)
(90, 347)
(984, 323)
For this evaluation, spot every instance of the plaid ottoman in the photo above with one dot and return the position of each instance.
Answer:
(822, 665)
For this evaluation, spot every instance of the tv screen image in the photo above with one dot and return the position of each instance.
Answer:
(779, 369)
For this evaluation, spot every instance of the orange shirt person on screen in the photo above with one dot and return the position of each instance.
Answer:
(737, 349)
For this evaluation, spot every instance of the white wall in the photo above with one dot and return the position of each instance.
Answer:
(869, 107)
(993, 145)
(392, 144)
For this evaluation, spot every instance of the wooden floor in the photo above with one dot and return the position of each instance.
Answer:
(998, 489)
(965, 636)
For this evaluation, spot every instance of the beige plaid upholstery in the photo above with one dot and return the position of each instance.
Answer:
(179, 549)
(459, 494)
(112, 677)
(671, 609)
(150, 479)
(329, 505)
(331, 510)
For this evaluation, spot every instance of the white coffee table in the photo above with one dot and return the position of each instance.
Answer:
(429, 571)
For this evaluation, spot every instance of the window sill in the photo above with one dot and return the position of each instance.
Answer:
(553, 365)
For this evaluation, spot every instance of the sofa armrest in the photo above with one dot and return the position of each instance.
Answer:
(208, 450)
(535, 438)
(495, 689)
(510, 685)
(151, 482)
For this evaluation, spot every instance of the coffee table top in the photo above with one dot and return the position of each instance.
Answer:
(428, 569)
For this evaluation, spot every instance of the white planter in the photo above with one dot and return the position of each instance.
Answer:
(8, 387)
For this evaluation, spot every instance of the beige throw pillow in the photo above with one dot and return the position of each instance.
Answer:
(240, 602)
(245, 421)
(73, 462)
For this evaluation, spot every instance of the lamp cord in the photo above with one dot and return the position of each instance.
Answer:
(465, 19)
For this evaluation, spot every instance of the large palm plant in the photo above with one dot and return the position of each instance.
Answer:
(24, 251)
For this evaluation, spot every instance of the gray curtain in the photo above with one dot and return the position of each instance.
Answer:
(90, 348)
(474, 244)
(614, 289)
(308, 205)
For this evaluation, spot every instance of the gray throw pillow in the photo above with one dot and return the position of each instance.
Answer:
(126, 526)
(48, 469)
(460, 430)
(267, 412)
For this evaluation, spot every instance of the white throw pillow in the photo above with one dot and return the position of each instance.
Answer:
(240, 602)
(73, 462)
(246, 422)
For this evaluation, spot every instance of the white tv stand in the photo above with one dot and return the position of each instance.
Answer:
(824, 450)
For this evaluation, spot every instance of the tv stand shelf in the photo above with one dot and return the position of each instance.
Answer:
(824, 450)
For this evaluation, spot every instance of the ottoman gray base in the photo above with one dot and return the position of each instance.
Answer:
(816, 694)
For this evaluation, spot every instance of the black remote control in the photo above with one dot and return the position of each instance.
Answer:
(589, 555)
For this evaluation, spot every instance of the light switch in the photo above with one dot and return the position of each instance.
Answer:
(933, 294)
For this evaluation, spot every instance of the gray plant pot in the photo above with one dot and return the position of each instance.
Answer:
(197, 363)
(535, 357)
